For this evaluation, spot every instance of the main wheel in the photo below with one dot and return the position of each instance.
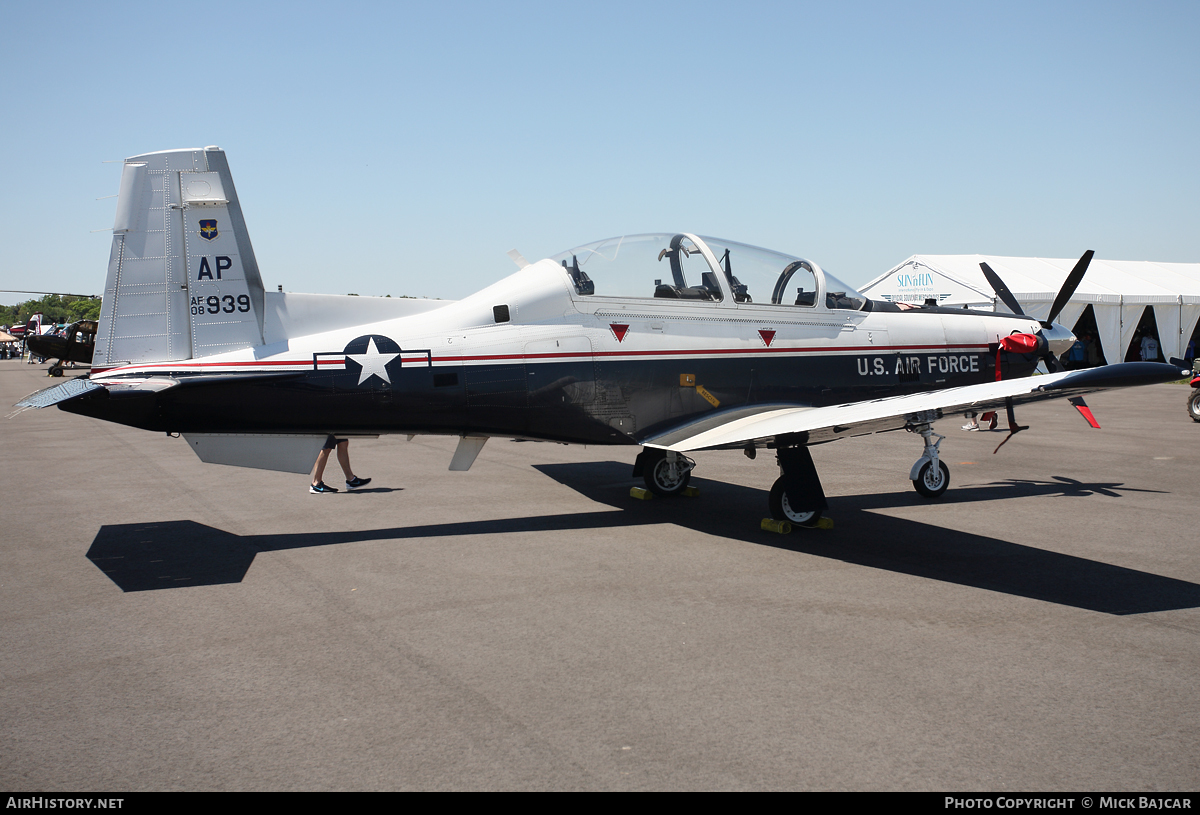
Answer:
(1194, 406)
(663, 477)
(781, 509)
(930, 482)
(55, 370)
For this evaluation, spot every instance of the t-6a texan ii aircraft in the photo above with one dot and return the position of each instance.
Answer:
(672, 342)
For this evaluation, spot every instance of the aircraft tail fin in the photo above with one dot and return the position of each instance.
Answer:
(182, 278)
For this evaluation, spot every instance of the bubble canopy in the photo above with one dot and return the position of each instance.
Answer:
(682, 266)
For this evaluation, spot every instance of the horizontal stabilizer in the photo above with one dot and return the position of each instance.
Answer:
(59, 393)
(121, 388)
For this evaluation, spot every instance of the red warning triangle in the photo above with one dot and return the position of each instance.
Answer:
(618, 331)
(767, 336)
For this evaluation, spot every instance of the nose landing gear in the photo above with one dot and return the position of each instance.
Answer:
(930, 475)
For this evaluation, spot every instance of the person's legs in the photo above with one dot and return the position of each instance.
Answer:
(353, 482)
(319, 469)
(318, 485)
(343, 455)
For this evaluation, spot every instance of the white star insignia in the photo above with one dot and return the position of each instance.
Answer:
(373, 363)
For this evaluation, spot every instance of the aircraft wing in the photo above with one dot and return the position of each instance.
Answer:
(740, 427)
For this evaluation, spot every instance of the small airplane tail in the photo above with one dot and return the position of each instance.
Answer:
(182, 278)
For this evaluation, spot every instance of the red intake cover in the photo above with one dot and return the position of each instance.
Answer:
(1020, 343)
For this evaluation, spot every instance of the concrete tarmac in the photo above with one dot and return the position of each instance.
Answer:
(172, 625)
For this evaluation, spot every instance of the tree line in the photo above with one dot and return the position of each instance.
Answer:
(55, 308)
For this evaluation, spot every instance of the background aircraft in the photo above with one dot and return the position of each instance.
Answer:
(75, 345)
(671, 341)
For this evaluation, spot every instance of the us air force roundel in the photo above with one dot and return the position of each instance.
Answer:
(370, 354)
(208, 229)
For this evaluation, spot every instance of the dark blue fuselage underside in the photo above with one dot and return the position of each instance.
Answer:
(589, 401)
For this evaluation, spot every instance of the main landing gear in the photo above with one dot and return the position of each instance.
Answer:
(930, 475)
(797, 496)
(664, 471)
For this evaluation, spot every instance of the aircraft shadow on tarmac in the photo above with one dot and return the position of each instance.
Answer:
(175, 554)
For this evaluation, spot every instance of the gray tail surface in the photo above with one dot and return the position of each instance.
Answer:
(182, 278)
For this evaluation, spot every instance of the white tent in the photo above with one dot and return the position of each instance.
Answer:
(1117, 290)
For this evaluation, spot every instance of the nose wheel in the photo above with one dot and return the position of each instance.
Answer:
(930, 476)
(933, 479)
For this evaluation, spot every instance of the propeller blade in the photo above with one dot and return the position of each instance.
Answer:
(1053, 366)
(1001, 290)
(1070, 284)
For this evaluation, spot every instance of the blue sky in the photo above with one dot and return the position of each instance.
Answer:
(404, 148)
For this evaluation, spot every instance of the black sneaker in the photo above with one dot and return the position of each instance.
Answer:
(357, 482)
(319, 487)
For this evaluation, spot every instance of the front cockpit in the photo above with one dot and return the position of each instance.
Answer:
(688, 267)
